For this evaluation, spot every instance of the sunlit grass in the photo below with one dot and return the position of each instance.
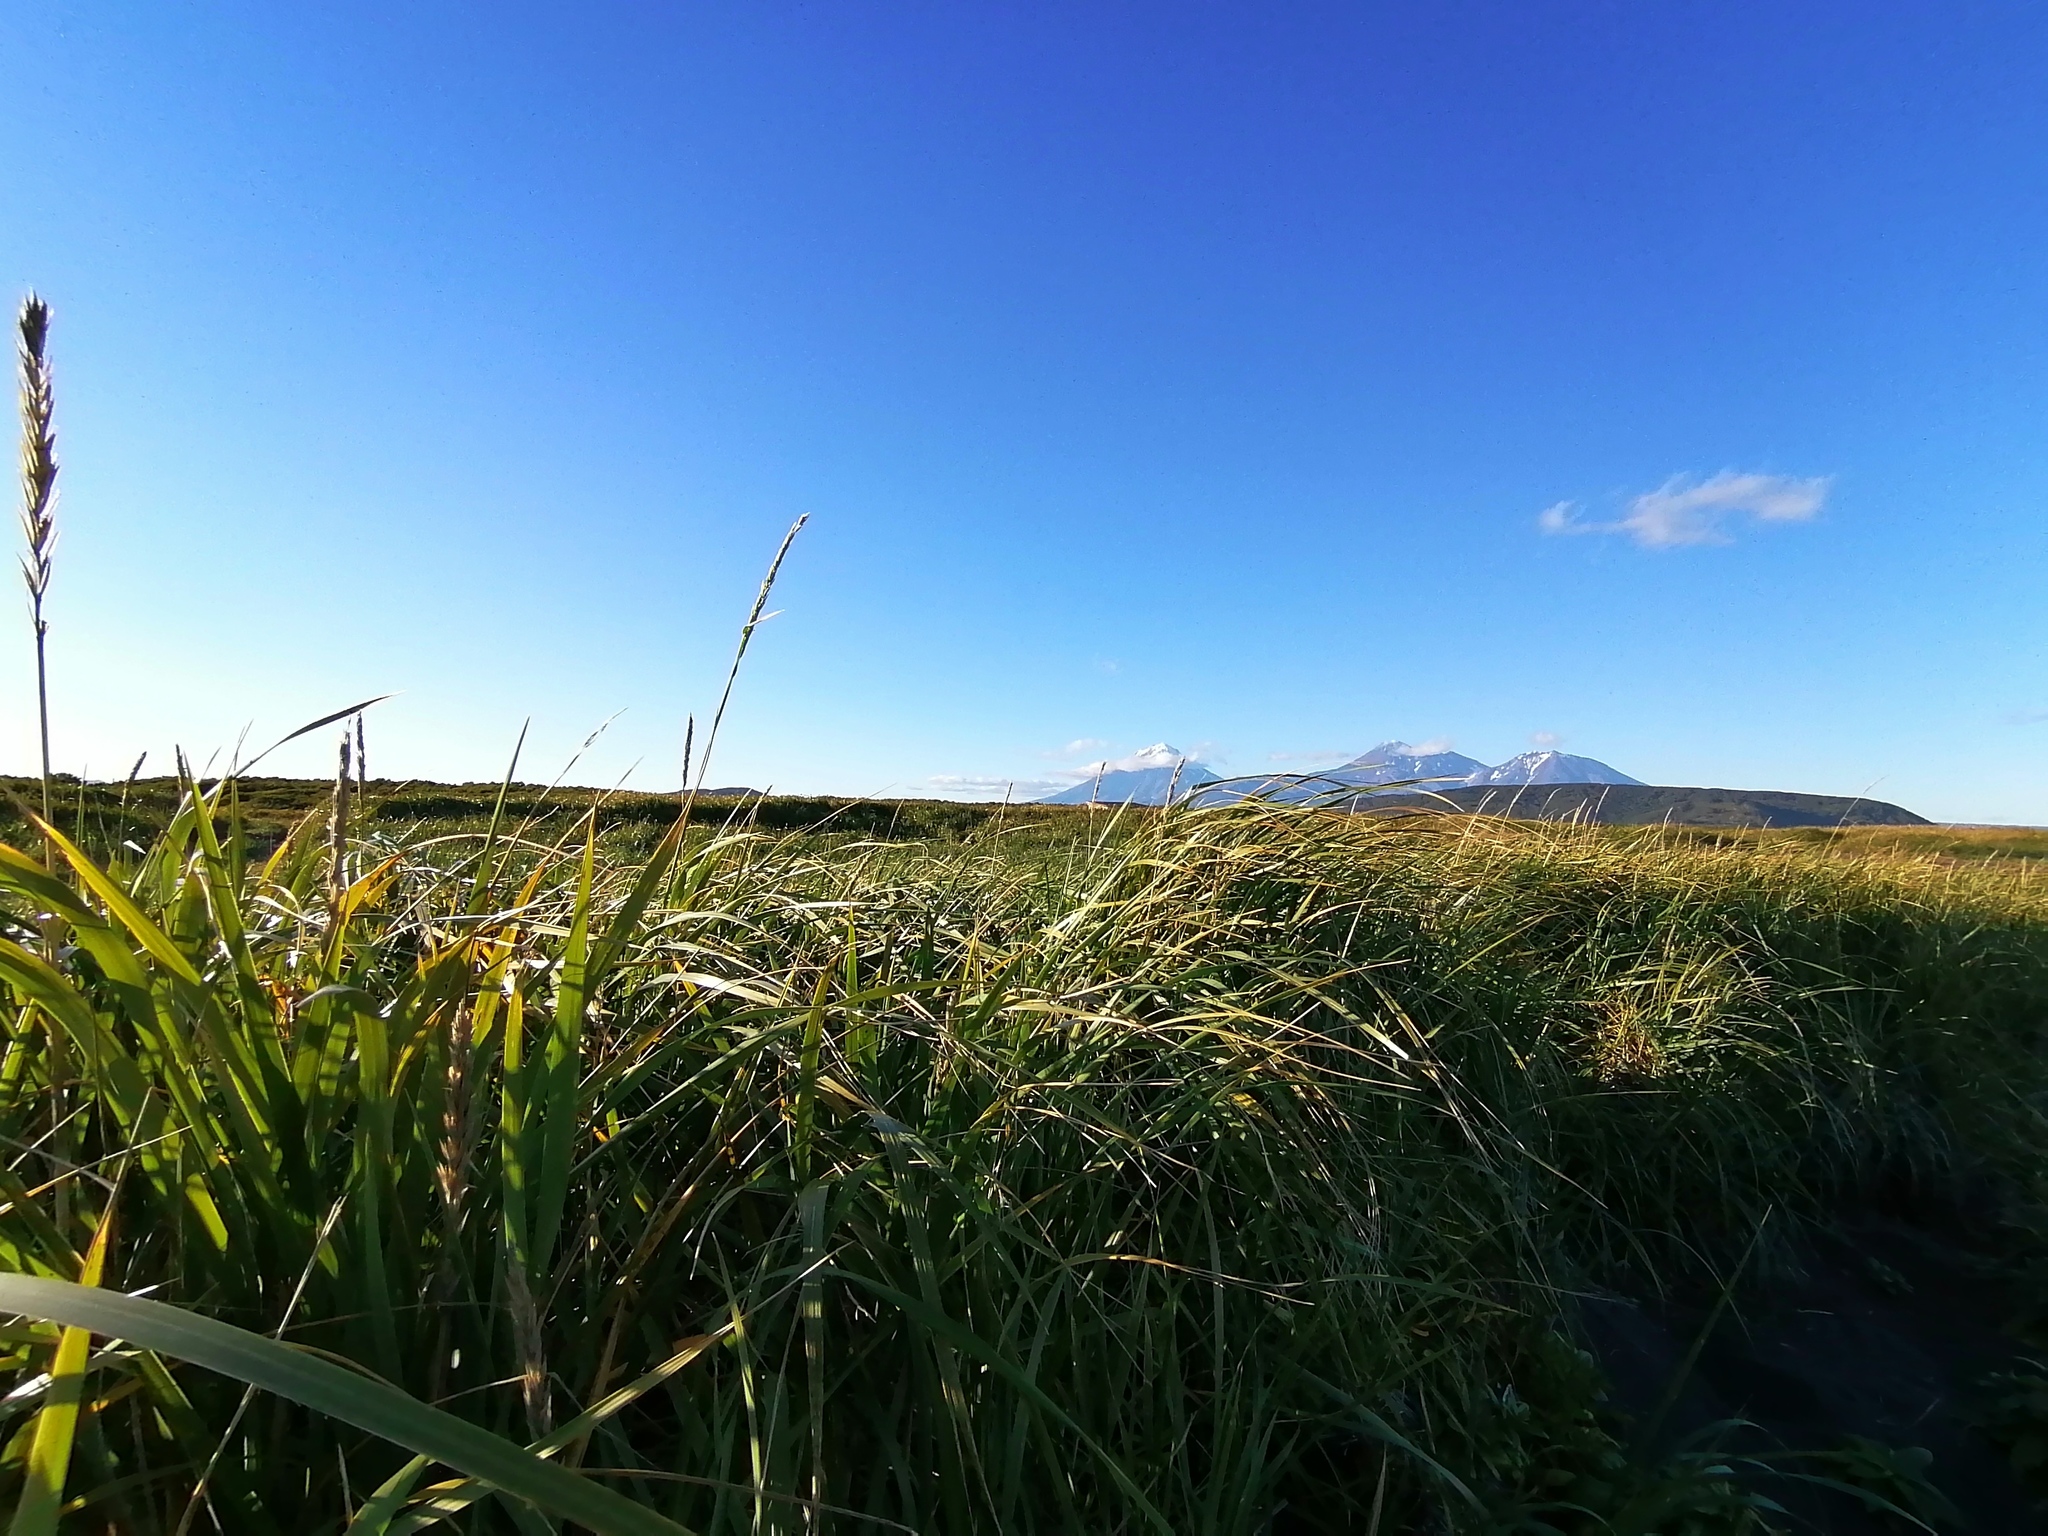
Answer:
(1981, 845)
(1157, 1178)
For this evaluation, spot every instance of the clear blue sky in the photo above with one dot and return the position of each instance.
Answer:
(1268, 380)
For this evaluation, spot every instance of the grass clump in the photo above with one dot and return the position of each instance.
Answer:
(1220, 1171)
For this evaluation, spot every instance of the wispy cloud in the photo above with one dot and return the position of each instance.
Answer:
(995, 786)
(1545, 741)
(1428, 747)
(1322, 755)
(1684, 510)
(985, 786)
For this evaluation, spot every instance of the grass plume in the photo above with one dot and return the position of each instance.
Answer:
(38, 498)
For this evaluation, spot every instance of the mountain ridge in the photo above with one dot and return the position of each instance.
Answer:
(1149, 776)
(1397, 778)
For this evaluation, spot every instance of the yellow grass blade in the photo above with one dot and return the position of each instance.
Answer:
(49, 1456)
(123, 909)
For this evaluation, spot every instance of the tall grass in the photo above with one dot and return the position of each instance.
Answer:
(1223, 1169)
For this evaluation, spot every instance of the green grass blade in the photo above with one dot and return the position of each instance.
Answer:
(330, 1389)
(562, 1068)
(619, 931)
(486, 859)
(374, 1518)
(935, 1321)
(449, 1499)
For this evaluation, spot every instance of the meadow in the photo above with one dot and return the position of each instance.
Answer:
(102, 815)
(496, 1159)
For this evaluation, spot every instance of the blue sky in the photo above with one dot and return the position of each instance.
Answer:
(1669, 380)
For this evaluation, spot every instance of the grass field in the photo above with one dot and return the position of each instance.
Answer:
(1967, 844)
(1215, 1171)
(102, 815)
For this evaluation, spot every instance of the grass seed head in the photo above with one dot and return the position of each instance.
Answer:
(38, 453)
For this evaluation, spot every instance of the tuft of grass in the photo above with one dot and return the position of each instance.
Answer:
(1224, 1171)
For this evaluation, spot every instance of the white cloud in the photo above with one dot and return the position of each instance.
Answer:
(1685, 511)
(1545, 741)
(1080, 745)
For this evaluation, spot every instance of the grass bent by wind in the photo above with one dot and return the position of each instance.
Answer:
(1213, 1168)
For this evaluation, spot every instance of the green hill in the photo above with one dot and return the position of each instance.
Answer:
(1640, 805)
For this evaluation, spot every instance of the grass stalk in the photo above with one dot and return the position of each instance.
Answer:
(337, 835)
(755, 616)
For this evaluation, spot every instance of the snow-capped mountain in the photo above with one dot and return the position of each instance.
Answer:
(1391, 762)
(1143, 778)
(1551, 768)
(1395, 762)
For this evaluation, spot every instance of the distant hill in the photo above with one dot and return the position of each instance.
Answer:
(1143, 778)
(1633, 804)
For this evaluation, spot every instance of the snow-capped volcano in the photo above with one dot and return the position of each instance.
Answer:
(1393, 762)
(1551, 768)
(1158, 755)
(1148, 777)
(1425, 769)
(1143, 778)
